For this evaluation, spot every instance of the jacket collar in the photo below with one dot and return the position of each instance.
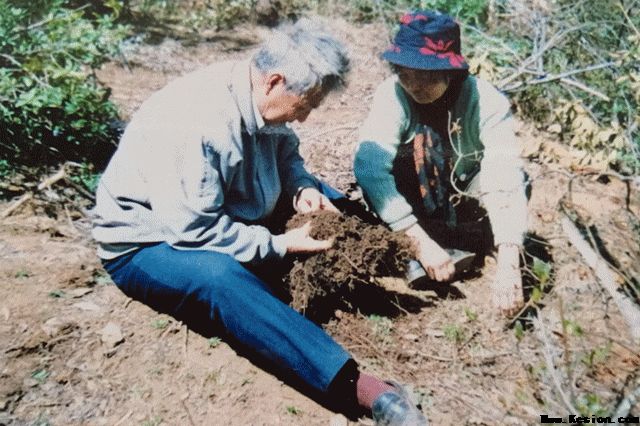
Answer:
(240, 87)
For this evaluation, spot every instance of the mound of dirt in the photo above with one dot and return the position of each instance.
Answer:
(361, 253)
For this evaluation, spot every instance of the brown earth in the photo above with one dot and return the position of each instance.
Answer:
(362, 254)
(74, 350)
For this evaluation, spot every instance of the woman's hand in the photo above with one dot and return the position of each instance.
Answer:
(434, 259)
(298, 241)
(310, 199)
(506, 289)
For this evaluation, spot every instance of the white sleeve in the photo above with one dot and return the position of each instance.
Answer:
(501, 176)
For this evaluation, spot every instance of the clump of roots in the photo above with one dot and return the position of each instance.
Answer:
(361, 253)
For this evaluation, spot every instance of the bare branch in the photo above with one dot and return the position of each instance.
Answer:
(53, 18)
(626, 15)
(561, 76)
(533, 58)
(548, 359)
(606, 277)
(50, 180)
(13, 207)
(585, 88)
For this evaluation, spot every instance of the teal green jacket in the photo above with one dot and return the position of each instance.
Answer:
(483, 141)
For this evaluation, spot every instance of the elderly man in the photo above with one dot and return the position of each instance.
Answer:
(179, 209)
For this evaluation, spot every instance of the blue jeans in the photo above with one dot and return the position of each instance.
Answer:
(212, 292)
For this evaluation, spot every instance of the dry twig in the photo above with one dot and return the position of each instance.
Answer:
(585, 88)
(123, 419)
(185, 348)
(548, 359)
(186, 409)
(13, 207)
(50, 180)
(624, 407)
(533, 58)
(562, 76)
(606, 277)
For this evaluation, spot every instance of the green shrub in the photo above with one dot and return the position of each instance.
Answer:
(389, 11)
(52, 107)
(5, 169)
(584, 87)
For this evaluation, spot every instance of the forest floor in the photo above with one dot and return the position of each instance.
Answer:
(75, 350)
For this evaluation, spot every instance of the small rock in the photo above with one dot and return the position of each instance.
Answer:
(547, 217)
(411, 337)
(434, 333)
(30, 382)
(338, 420)
(55, 327)
(112, 335)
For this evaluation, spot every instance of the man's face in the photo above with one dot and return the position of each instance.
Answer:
(284, 106)
(423, 86)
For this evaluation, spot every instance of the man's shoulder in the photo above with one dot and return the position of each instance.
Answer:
(212, 77)
(388, 87)
(390, 96)
(199, 98)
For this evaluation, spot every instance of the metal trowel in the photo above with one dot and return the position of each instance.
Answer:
(462, 260)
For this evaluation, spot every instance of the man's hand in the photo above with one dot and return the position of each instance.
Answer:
(434, 259)
(299, 241)
(310, 199)
(506, 289)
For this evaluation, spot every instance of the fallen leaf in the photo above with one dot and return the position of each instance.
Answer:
(338, 420)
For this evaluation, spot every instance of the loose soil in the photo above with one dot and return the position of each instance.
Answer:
(362, 254)
(76, 351)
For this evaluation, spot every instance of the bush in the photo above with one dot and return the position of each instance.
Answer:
(369, 10)
(571, 68)
(53, 109)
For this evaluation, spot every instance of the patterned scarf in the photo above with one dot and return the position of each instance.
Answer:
(432, 151)
(433, 167)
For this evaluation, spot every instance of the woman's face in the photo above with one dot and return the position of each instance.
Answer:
(423, 86)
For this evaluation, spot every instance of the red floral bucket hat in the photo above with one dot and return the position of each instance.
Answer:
(427, 40)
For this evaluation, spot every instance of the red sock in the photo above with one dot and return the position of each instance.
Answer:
(368, 388)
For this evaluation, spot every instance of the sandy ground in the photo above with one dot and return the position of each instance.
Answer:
(76, 351)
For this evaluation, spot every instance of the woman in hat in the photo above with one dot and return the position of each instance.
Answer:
(436, 139)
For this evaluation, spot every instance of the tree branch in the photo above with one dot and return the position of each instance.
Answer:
(561, 76)
(585, 88)
(606, 277)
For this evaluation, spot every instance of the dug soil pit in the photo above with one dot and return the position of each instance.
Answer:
(361, 254)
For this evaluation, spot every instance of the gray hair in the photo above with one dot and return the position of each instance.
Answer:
(306, 55)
